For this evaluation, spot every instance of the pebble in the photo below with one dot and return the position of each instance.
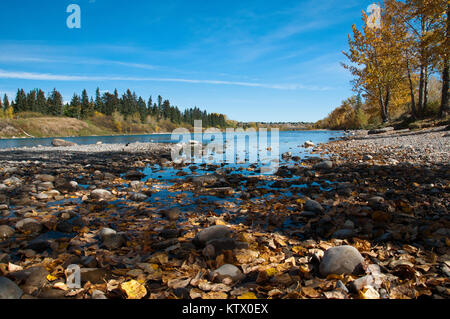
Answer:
(227, 271)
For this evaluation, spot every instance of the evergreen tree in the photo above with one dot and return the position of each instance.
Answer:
(41, 102)
(55, 103)
(5, 102)
(99, 107)
(86, 109)
(21, 101)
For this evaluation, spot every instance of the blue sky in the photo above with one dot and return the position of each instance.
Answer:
(251, 60)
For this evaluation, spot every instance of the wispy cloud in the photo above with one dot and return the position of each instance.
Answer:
(77, 78)
(76, 61)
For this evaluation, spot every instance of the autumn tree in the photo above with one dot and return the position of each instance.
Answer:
(374, 53)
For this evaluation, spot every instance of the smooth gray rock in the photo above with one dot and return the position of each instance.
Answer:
(227, 271)
(45, 177)
(6, 231)
(313, 206)
(138, 197)
(204, 179)
(324, 165)
(29, 225)
(36, 280)
(340, 260)
(375, 201)
(59, 142)
(210, 233)
(9, 290)
(12, 181)
(114, 241)
(101, 194)
(105, 232)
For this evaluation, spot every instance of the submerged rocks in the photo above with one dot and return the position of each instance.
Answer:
(324, 165)
(308, 144)
(173, 214)
(101, 194)
(29, 225)
(59, 142)
(6, 231)
(340, 260)
(9, 290)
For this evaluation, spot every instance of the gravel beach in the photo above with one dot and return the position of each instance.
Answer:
(429, 146)
(368, 220)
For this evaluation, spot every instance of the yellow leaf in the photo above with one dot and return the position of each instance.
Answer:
(271, 272)
(134, 289)
(337, 277)
(247, 295)
(51, 278)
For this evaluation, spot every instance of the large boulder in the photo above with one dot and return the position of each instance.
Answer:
(9, 290)
(59, 142)
(340, 260)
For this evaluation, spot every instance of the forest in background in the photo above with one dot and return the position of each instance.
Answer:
(114, 113)
(400, 68)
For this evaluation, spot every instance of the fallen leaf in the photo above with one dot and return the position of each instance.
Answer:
(134, 289)
(248, 295)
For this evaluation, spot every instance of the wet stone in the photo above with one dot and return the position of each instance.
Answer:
(6, 231)
(101, 194)
(29, 225)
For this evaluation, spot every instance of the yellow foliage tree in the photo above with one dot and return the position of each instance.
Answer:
(374, 53)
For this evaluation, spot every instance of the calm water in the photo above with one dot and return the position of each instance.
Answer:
(289, 140)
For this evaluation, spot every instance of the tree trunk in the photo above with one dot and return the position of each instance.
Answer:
(420, 102)
(444, 110)
(386, 104)
(411, 92)
(425, 92)
(382, 108)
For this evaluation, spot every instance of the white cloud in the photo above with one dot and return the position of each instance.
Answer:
(77, 78)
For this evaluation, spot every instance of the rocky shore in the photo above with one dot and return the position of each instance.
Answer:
(369, 220)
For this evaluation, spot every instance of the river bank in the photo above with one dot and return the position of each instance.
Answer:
(140, 226)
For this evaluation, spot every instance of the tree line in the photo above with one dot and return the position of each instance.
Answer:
(129, 105)
(395, 65)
